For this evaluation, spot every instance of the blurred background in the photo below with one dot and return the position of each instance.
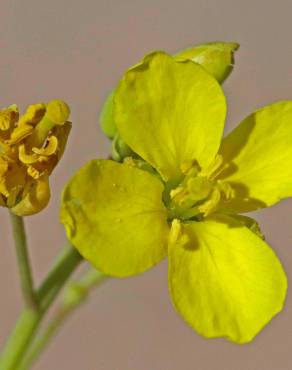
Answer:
(77, 50)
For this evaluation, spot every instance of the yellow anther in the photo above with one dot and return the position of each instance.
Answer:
(43, 159)
(5, 120)
(218, 161)
(211, 170)
(177, 235)
(20, 133)
(34, 113)
(199, 193)
(57, 114)
(26, 158)
(33, 172)
(49, 149)
(211, 204)
(8, 117)
(175, 231)
(226, 189)
(176, 192)
(27, 121)
(190, 168)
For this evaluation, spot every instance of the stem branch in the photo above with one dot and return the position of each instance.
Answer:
(75, 295)
(30, 319)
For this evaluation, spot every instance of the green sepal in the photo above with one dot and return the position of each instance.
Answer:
(120, 149)
(216, 57)
(250, 223)
(106, 118)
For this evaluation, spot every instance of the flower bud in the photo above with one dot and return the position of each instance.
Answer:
(31, 145)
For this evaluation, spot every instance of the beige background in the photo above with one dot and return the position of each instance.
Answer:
(77, 50)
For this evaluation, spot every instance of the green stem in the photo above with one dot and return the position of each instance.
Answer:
(59, 274)
(75, 295)
(23, 261)
(19, 339)
(30, 320)
(41, 342)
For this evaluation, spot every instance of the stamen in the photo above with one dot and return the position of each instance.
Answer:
(49, 149)
(8, 118)
(20, 133)
(26, 158)
(190, 168)
(199, 193)
(57, 114)
(211, 204)
(176, 235)
(33, 172)
(34, 113)
(212, 170)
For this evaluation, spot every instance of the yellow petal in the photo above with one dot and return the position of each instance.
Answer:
(36, 197)
(114, 215)
(216, 57)
(224, 280)
(170, 113)
(258, 158)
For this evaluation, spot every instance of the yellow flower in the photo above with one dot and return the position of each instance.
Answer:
(184, 197)
(31, 145)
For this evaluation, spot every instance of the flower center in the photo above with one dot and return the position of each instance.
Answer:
(199, 193)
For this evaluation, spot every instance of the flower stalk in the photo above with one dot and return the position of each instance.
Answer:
(25, 273)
